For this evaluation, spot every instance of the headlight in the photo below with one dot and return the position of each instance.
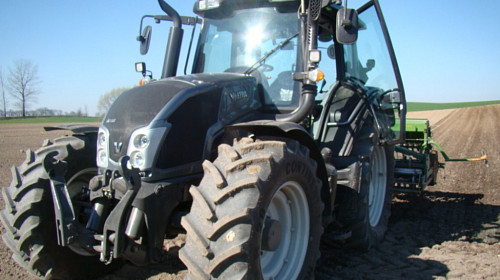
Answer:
(208, 4)
(102, 139)
(102, 157)
(137, 159)
(102, 148)
(143, 146)
(141, 141)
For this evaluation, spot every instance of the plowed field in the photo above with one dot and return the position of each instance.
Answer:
(452, 231)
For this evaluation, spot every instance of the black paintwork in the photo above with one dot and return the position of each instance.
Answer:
(75, 128)
(195, 107)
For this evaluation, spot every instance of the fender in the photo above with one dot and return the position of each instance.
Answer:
(75, 128)
(295, 131)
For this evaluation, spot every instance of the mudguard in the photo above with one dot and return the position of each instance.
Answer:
(75, 128)
(295, 131)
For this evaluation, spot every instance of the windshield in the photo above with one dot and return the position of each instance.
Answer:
(249, 42)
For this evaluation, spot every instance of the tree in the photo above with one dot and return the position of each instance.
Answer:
(22, 83)
(108, 98)
(2, 90)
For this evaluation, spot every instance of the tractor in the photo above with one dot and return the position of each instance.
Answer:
(281, 138)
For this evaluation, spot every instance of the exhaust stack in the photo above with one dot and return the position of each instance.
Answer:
(174, 41)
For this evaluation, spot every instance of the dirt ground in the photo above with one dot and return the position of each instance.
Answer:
(452, 231)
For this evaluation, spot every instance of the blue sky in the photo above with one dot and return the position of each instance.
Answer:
(447, 50)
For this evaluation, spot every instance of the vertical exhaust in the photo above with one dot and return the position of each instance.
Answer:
(174, 41)
(308, 89)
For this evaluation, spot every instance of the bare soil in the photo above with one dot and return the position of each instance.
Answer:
(451, 231)
(434, 116)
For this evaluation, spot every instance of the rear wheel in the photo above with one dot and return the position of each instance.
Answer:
(367, 213)
(29, 212)
(256, 214)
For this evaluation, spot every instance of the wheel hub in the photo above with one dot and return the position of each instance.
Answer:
(271, 235)
(285, 234)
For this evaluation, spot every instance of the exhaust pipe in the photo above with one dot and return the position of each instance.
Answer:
(306, 104)
(174, 41)
(309, 89)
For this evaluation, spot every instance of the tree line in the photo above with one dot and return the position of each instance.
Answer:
(19, 89)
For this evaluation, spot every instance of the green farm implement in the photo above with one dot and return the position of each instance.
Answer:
(417, 161)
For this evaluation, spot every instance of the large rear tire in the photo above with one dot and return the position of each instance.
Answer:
(367, 213)
(256, 214)
(29, 212)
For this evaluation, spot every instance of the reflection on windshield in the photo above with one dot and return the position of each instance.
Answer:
(261, 60)
(251, 40)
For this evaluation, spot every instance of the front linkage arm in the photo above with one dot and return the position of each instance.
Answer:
(63, 208)
(113, 242)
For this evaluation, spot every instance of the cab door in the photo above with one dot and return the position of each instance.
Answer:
(372, 62)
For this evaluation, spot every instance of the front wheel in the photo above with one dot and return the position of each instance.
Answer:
(29, 212)
(256, 214)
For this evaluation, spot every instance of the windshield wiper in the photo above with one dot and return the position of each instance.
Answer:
(258, 63)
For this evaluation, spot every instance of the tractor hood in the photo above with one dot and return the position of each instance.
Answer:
(179, 103)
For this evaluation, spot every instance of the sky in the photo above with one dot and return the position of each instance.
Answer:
(447, 50)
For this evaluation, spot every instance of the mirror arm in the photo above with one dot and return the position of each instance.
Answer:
(346, 22)
(140, 38)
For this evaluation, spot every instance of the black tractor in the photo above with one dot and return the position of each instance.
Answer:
(280, 140)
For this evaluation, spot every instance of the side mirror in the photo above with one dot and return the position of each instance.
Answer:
(144, 39)
(390, 99)
(347, 26)
(370, 63)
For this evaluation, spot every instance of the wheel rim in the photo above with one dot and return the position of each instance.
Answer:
(78, 188)
(288, 206)
(378, 185)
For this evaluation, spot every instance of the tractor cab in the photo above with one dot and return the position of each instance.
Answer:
(300, 60)
(262, 42)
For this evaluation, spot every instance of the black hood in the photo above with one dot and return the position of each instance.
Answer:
(137, 107)
(157, 101)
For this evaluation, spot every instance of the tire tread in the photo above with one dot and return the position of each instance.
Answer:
(232, 187)
(28, 211)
